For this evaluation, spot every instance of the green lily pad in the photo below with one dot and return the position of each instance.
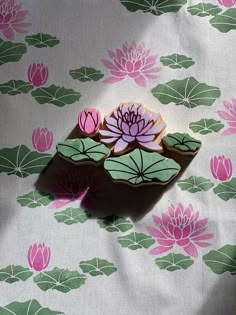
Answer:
(136, 241)
(97, 267)
(205, 126)
(83, 150)
(225, 21)
(115, 224)
(204, 9)
(11, 52)
(226, 190)
(84, 74)
(181, 143)
(12, 274)
(140, 167)
(34, 199)
(41, 40)
(14, 87)
(176, 61)
(188, 92)
(194, 184)
(173, 262)
(71, 216)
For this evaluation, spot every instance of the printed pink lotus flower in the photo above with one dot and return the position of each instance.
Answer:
(37, 74)
(229, 116)
(89, 121)
(12, 18)
(131, 123)
(221, 167)
(133, 61)
(39, 256)
(227, 3)
(179, 227)
(42, 139)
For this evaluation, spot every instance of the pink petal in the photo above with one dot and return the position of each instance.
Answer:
(47, 257)
(152, 76)
(134, 74)
(154, 232)
(165, 242)
(108, 133)
(152, 70)
(202, 237)
(128, 138)
(137, 65)
(156, 219)
(58, 203)
(119, 74)
(229, 131)
(151, 146)
(129, 66)
(38, 261)
(109, 65)
(191, 250)
(141, 81)
(156, 129)
(203, 244)
(108, 140)
(186, 231)
(177, 233)
(198, 232)
(134, 129)
(183, 242)
(160, 250)
(225, 115)
(112, 80)
(8, 33)
(201, 223)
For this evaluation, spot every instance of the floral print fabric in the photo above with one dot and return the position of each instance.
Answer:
(72, 241)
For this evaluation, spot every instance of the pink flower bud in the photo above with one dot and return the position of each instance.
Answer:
(37, 74)
(227, 3)
(89, 121)
(38, 256)
(42, 139)
(221, 167)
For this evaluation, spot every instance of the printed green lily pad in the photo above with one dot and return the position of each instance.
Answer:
(225, 21)
(14, 87)
(22, 162)
(41, 40)
(30, 307)
(56, 95)
(84, 74)
(71, 216)
(204, 9)
(188, 92)
(140, 167)
(182, 143)
(205, 126)
(176, 61)
(83, 150)
(115, 224)
(97, 267)
(35, 199)
(136, 241)
(62, 280)
(153, 7)
(11, 52)
(226, 190)
(12, 274)
(173, 262)
(222, 260)
(194, 184)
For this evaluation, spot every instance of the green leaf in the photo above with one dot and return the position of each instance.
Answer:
(153, 7)
(205, 126)
(97, 267)
(11, 52)
(226, 190)
(62, 280)
(225, 21)
(188, 92)
(34, 199)
(22, 162)
(83, 150)
(140, 167)
(115, 224)
(14, 87)
(173, 262)
(11, 274)
(182, 142)
(41, 40)
(177, 61)
(56, 95)
(222, 259)
(135, 241)
(71, 216)
(30, 307)
(194, 184)
(204, 9)
(84, 74)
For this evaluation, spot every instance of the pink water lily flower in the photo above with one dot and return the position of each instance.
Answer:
(221, 167)
(227, 3)
(12, 18)
(180, 227)
(42, 139)
(131, 123)
(39, 256)
(133, 61)
(230, 116)
(89, 121)
(37, 74)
